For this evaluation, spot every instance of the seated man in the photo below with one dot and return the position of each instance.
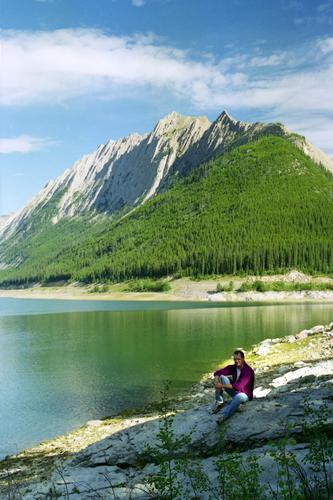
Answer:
(240, 388)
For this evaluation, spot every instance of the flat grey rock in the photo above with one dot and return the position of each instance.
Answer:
(123, 461)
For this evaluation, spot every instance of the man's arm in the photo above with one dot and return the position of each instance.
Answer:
(223, 371)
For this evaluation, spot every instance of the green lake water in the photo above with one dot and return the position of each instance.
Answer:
(65, 362)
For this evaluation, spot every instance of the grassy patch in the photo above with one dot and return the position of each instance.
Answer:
(283, 286)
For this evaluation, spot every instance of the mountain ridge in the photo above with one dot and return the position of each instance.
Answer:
(127, 172)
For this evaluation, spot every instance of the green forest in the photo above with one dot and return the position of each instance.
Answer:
(263, 207)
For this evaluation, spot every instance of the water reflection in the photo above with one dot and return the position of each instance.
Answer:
(60, 369)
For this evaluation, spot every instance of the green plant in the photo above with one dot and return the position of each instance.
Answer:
(165, 484)
(225, 288)
(99, 289)
(149, 285)
(293, 482)
(320, 454)
(287, 464)
(259, 286)
(246, 286)
(237, 478)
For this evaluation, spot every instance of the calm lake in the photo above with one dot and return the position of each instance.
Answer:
(65, 362)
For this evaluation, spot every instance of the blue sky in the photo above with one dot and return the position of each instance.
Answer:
(75, 73)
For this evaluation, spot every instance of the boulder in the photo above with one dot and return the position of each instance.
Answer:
(264, 347)
(283, 369)
(317, 329)
(303, 334)
(290, 339)
(299, 364)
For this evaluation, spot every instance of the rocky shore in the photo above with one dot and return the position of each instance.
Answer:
(187, 289)
(114, 458)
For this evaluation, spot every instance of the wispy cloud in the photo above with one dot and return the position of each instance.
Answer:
(138, 3)
(23, 144)
(322, 7)
(319, 19)
(293, 4)
(55, 66)
(323, 15)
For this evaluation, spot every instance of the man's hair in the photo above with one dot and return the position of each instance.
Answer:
(240, 353)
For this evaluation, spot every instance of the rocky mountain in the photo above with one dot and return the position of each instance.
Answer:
(4, 218)
(127, 172)
(262, 206)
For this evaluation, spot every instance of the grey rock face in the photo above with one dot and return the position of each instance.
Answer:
(129, 171)
(4, 219)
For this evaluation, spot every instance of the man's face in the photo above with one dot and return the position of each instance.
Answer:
(239, 361)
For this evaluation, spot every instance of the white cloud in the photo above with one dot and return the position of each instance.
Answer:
(138, 3)
(23, 144)
(55, 66)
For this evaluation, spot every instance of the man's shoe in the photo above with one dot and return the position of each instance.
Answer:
(218, 406)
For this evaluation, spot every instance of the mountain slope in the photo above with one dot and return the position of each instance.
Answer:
(264, 206)
(125, 173)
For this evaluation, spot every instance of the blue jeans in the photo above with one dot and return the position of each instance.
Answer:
(237, 398)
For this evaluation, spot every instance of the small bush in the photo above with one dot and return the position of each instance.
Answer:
(99, 289)
(148, 285)
(246, 286)
(225, 287)
(259, 286)
(279, 286)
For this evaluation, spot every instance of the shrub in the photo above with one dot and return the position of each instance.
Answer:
(259, 286)
(149, 285)
(246, 286)
(99, 289)
(225, 287)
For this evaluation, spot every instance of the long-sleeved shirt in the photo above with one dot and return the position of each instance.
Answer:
(245, 382)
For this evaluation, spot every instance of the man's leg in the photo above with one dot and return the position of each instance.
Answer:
(230, 409)
(219, 392)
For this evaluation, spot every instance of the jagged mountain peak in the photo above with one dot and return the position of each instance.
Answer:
(225, 117)
(175, 121)
(225, 120)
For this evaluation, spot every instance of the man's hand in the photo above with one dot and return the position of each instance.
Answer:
(218, 386)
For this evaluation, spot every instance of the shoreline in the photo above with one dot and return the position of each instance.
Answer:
(270, 358)
(184, 290)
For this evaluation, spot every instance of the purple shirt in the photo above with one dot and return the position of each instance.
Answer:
(245, 382)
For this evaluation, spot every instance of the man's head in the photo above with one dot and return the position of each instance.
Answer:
(239, 358)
